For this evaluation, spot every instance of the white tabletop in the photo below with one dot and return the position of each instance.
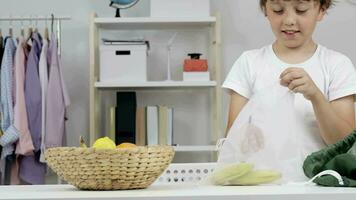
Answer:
(187, 192)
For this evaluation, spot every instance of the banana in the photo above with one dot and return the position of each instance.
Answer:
(257, 177)
(224, 175)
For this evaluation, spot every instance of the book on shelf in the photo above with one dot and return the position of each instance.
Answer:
(125, 117)
(162, 125)
(165, 123)
(159, 125)
(170, 126)
(152, 125)
(141, 126)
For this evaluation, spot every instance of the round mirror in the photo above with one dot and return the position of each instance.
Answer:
(122, 4)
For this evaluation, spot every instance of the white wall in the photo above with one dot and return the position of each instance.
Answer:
(244, 27)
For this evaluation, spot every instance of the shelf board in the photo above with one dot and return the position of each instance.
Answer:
(155, 84)
(154, 22)
(182, 148)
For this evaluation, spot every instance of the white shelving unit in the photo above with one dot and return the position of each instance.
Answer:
(181, 148)
(153, 23)
(156, 84)
(139, 23)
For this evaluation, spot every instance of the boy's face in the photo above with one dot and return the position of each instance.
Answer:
(293, 21)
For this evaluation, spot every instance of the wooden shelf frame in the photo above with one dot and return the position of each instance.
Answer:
(96, 23)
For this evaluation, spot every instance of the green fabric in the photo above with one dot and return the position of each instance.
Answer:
(338, 157)
(352, 150)
(345, 165)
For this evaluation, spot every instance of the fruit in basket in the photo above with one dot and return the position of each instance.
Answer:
(224, 175)
(104, 143)
(126, 145)
(109, 169)
(257, 177)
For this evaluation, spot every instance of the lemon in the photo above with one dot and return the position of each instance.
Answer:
(104, 143)
(125, 145)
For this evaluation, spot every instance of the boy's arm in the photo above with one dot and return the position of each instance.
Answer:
(336, 119)
(237, 102)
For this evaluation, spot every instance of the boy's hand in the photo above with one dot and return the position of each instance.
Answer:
(299, 81)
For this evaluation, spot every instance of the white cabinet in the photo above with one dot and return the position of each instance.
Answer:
(209, 24)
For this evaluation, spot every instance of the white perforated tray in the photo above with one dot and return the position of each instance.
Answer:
(179, 173)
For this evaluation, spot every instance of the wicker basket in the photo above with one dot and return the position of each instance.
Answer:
(109, 169)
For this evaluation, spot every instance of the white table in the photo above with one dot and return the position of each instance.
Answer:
(173, 192)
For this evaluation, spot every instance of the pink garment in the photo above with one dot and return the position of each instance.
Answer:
(24, 145)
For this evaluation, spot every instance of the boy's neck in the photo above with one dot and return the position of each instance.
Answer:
(294, 55)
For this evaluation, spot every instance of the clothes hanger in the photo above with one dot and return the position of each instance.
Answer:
(52, 29)
(52, 21)
(46, 34)
(36, 24)
(22, 30)
(30, 30)
(10, 28)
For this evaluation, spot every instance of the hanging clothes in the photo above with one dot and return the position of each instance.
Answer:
(11, 134)
(1, 54)
(2, 167)
(43, 69)
(30, 169)
(1, 48)
(33, 91)
(24, 145)
(57, 101)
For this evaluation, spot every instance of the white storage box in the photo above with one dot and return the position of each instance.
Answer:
(180, 8)
(196, 76)
(123, 62)
(185, 173)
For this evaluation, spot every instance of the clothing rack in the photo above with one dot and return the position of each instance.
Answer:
(35, 18)
(31, 18)
(51, 18)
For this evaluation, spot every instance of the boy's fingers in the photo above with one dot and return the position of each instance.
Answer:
(299, 89)
(288, 70)
(290, 76)
(296, 83)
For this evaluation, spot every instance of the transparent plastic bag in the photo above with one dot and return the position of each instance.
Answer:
(265, 134)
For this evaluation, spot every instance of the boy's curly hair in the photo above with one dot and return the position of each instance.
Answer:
(324, 4)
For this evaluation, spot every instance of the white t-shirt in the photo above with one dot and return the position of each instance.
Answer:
(332, 72)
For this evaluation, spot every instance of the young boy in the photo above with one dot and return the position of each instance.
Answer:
(324, 80)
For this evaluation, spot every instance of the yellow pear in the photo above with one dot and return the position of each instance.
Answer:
(104, 143)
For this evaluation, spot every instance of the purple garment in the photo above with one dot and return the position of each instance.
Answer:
(33, 91)
(57, 101)
(31, 170)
